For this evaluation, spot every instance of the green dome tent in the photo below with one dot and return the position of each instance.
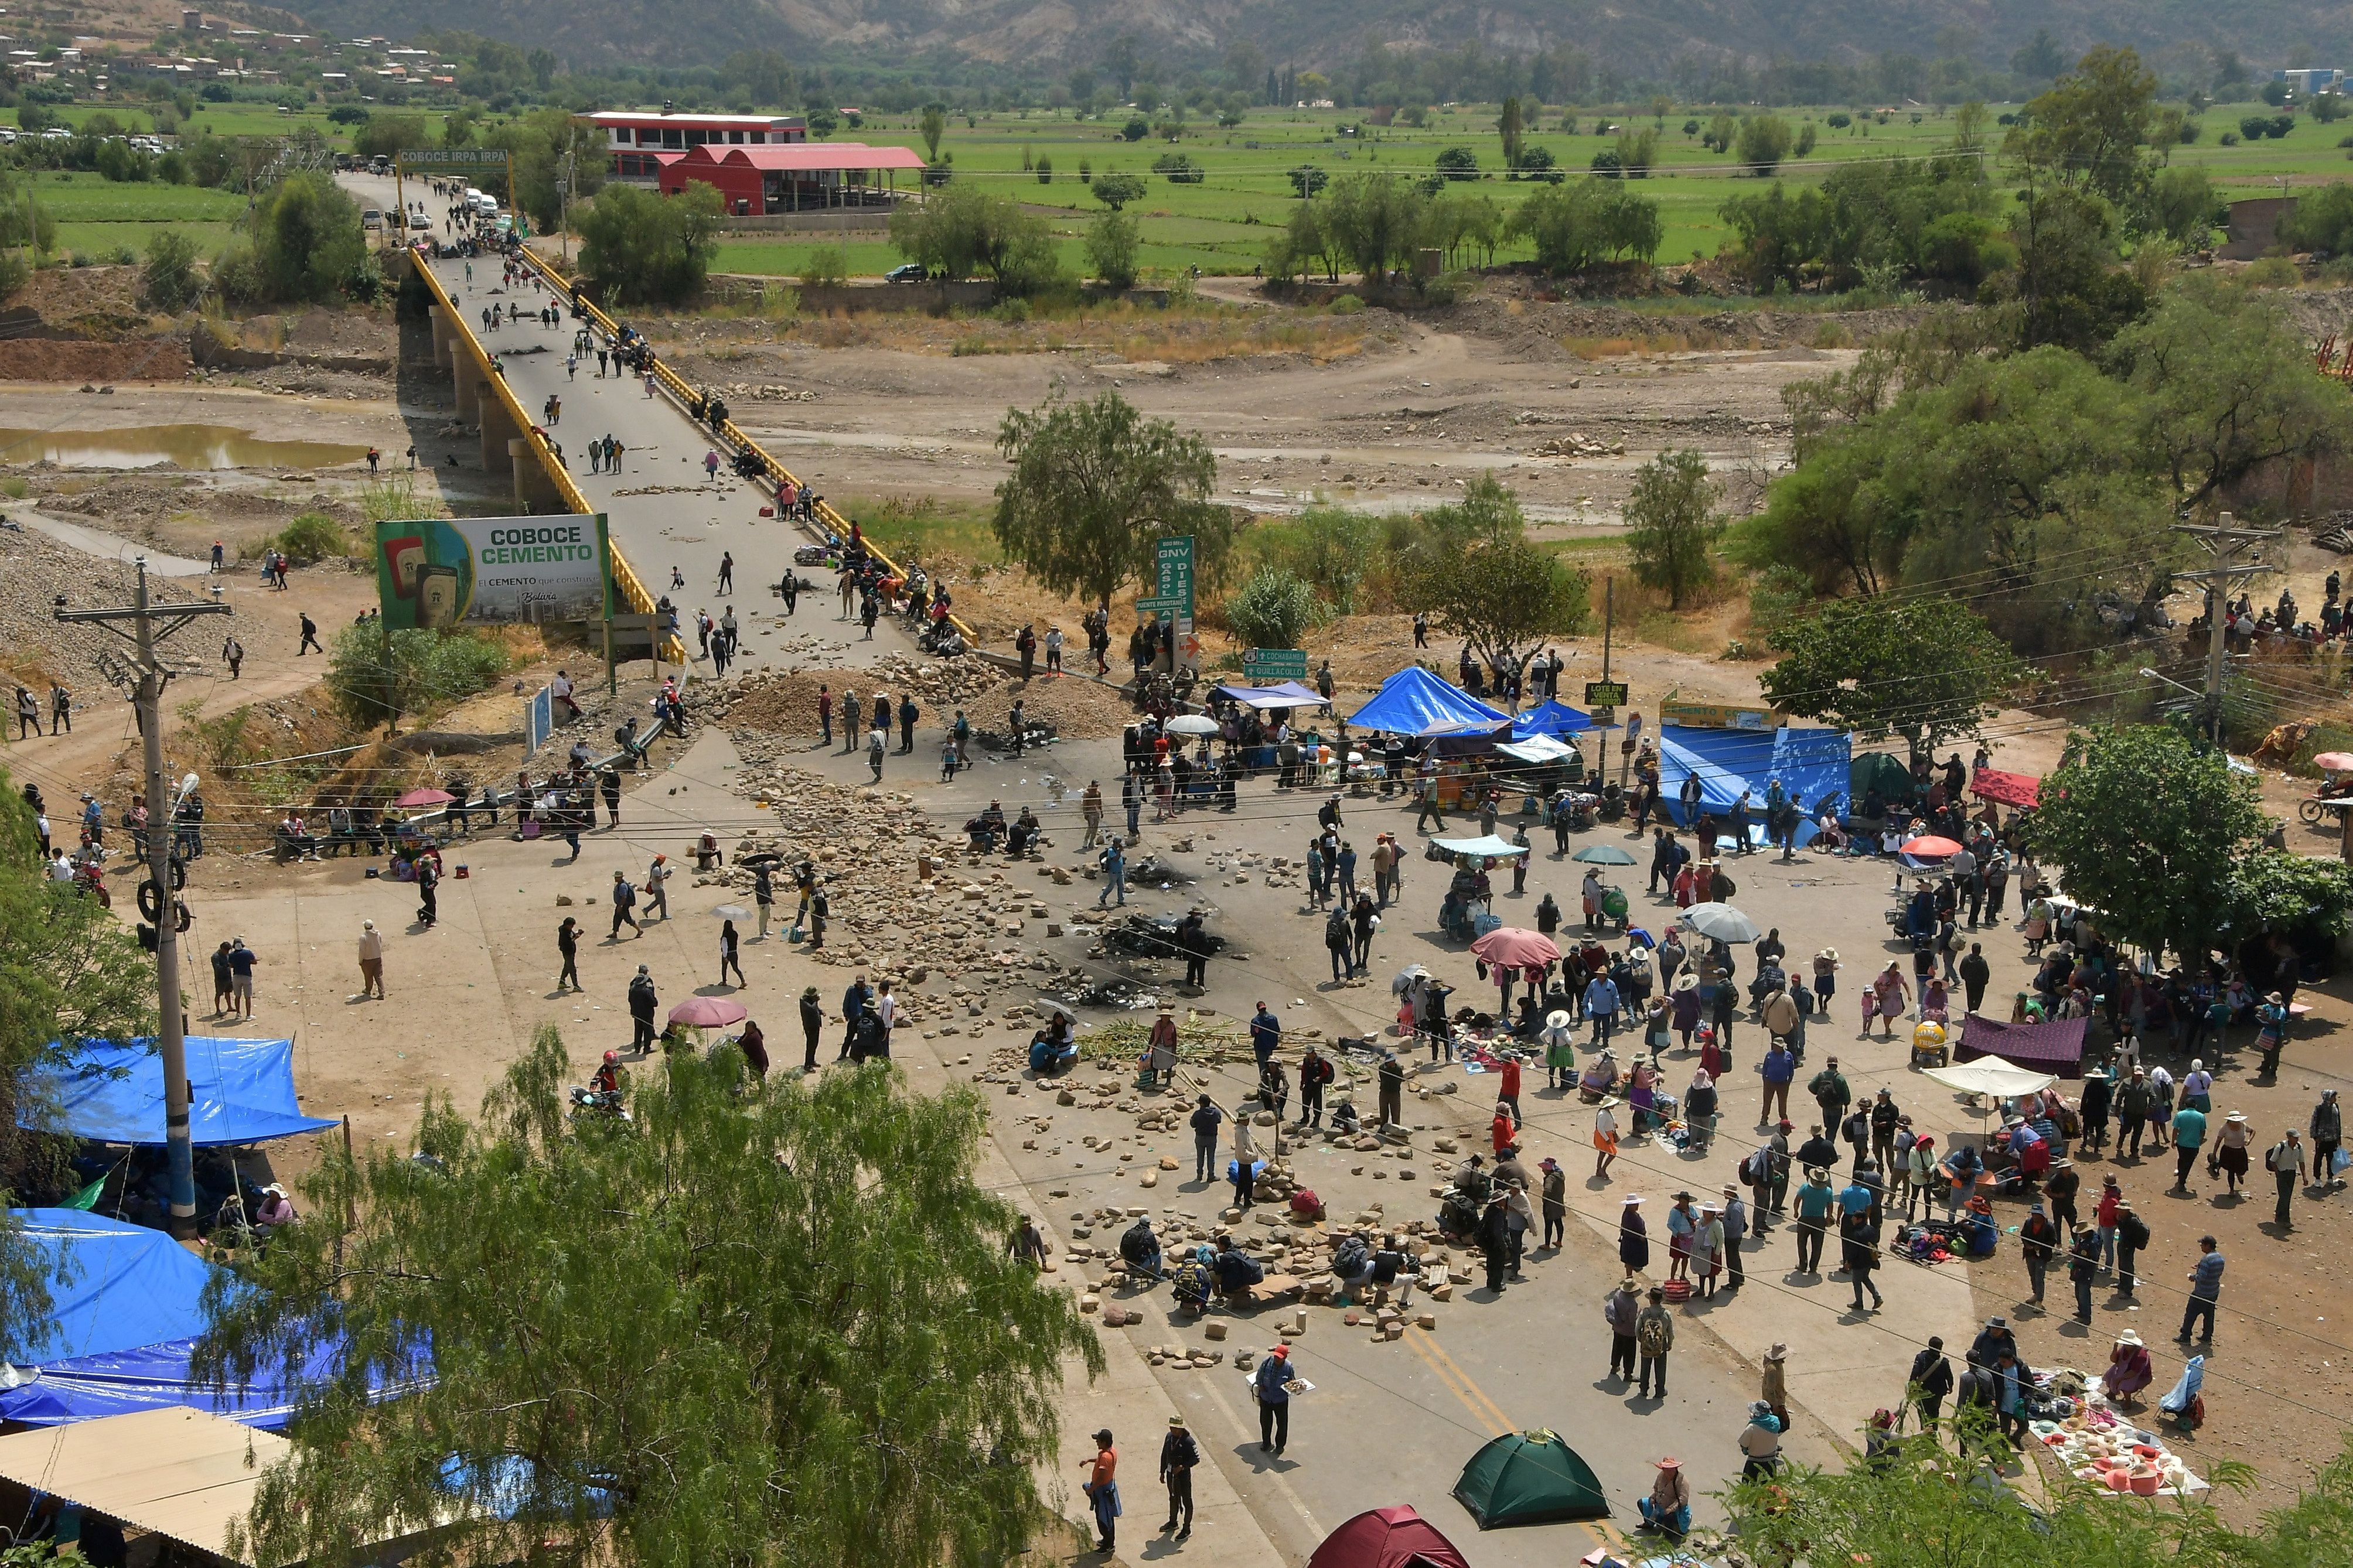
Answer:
(1529, 1478)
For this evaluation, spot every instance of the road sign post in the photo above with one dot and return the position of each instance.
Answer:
(1269, 664)
(1172, 559)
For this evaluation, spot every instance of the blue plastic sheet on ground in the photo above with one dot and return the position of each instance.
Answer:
(126, 1312)
(242, 1092)
(1811, 764)
(1556, 720)
(1415, 702)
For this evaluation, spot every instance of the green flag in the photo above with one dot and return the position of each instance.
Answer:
(87, 1198)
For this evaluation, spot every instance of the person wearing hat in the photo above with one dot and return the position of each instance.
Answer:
(1159, 1065)
(2128, 1369)
(1271, 1385)
(1555, 1195)
(2327, 1131)
(1733, 1216)
(1813, 1200)
(1992, 1340)
(643, 1000)
(2060, 1187)
(1102, 1489)
(1559, 1041)
(1622, 1310)
(2284, 1160)
(1179, 1454)
(371, 961)
(1761, 1442)
(1633, 1235)
(2230, 1157)
(1775, 1392)
(1668, 1508)
(2271, 1031)
(1654, 1337)
(2082, 1268)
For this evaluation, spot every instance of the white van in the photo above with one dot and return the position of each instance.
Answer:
(372, 221)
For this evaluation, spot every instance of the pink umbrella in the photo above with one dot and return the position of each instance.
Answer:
(425, 797)
(708, 1012)
(1929, 847)
(1509, 947)
(2334, 761)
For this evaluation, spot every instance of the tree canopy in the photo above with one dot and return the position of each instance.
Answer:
(638, 247)
(765, 1324)
(68, 971)
(1672, 524)
(959, 230)
(307, 241)
(2147, 826)
(1924, 668)
(1096, 486)
(1489, 583)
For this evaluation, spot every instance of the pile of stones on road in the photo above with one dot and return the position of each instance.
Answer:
(1576, 446)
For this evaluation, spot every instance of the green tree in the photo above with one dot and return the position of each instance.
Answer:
(1276, 608)
(68, 971)
(1721, 129)
(307, 241)
(375, 678)
(1926, 668)
(2277, 889)
(1763, 143)
(1489, 583)
(639, 247)
(1113, 242)
(2090, 132)
(1509, 127)
(1374, 220)
(1096, 486)
(1332, 548)
(769, 1322)
(932, 125)
(550, 146)
(2147, 825)
(1114, 189)
(2229, 389)
(827, 266)
(1458, 164)
(2067, 288)
(965, 230)
(384, 134)
(2322, 222)
(170, 278)
(1672, 525)
(1581, 223)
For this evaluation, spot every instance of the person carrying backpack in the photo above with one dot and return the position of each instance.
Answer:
(1338, 940)
(1654, 1336)
(624, 901)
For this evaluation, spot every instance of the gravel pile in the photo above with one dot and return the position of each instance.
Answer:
(35, 647)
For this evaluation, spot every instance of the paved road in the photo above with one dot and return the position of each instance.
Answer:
(665, 515)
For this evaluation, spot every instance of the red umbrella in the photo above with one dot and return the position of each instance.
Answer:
(708, 1012)
(1509, 947)
(1929, 847)
(425, 797)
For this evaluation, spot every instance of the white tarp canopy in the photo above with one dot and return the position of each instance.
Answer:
(1992, 1075)
(1490, 847)
(1536, 748)
(176, 1471)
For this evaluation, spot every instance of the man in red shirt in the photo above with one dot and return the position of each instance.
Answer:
(1102, 1489)
(1509, 1094)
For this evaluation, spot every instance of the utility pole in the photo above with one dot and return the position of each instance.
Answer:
(150, 626)
(2223, 541)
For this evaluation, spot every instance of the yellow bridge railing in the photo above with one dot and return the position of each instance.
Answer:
(625, 579)
(727, 431)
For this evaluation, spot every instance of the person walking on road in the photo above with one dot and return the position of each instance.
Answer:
(371, 961)
(2205, 1291)
(2327, 1131)
(726, 571)
(2284, 1160)
(309, 639)
(1091, 808)
(643, 1000)
(1654, 1337)
(1114, 874)
(624, 901)
(1270, 1384)
(1930, 1380)
(1179, 1454)
(567, 944)
(812, 1026)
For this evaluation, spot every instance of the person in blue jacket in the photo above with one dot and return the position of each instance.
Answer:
(1274, 1399)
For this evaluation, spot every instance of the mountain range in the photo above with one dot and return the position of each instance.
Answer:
(1641, 38)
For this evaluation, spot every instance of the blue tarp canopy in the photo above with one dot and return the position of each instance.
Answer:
(1288, 694)
(1415, 702)
(126, 1310)
(1810, 764)
(1556, 720)
(243, 1092)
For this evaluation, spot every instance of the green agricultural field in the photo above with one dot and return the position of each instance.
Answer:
(1221, 222)
(86, 197)
(102, 240)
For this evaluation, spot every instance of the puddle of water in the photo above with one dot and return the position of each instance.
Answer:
(191, 447)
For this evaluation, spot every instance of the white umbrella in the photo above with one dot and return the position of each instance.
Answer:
(1053, 1006)
(1406, 977)
(1991, 1075)
(1192, 724)
(731, 913)
(1723, 923)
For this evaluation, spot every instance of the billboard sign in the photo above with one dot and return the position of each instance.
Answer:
(493, 571)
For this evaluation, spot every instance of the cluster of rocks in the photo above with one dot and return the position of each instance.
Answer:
(770, 392)
(1576, 446)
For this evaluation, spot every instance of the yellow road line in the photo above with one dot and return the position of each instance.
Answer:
(1463, 1386)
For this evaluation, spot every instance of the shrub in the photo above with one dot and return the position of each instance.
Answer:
(1275, 608)
(170, 280)
(827, 266)
(1347, 305)
(311, 538)
(1045, 171)
(1839, 122)
(2229, 139)
(1111, 243)
(1137, 129)
(1459, 163)
(1178, 169)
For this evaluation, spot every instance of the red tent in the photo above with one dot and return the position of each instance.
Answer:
(2011, 789)
(1388, 1538)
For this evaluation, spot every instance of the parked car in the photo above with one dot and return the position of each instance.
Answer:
(912, 272)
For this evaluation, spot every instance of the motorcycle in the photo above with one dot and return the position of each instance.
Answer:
(597, 1105)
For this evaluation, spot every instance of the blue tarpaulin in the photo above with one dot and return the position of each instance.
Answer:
(1556, 720)
(126, 1310)
(1415, 702)
(242, 1092)
(1810, 764)
(1288, 694)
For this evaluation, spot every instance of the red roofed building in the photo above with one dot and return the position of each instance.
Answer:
(637, 136)
(804, 176)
